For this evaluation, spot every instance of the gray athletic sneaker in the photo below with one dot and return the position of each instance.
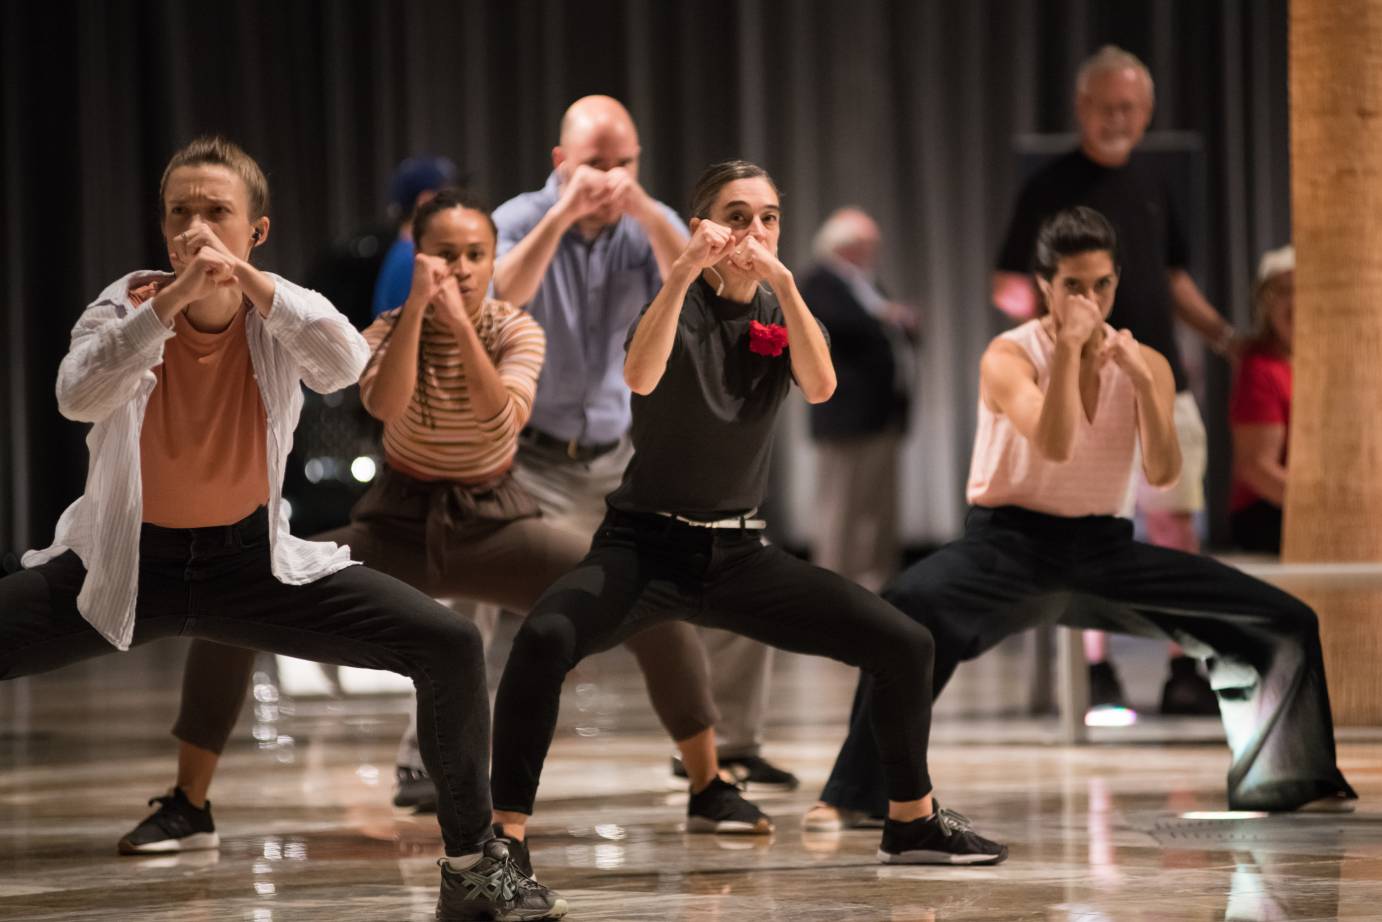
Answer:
(494, 889)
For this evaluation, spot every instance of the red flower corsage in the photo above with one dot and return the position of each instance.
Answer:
(767, 338)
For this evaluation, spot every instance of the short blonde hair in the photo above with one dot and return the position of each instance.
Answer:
(215, 149)
(1111, 57)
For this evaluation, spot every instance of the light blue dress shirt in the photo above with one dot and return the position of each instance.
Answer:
(592, 293)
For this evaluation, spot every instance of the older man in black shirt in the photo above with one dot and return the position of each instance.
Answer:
(858, 432)
(1114, 101)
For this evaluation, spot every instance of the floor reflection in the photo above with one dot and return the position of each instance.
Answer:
(1127, 830)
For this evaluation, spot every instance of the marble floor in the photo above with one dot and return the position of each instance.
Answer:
(1124, 829)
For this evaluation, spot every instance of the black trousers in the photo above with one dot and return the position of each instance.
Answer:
(216, 583)
(1015, 569)
(644, 570)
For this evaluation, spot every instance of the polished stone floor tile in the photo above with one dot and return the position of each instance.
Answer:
(1131, 828)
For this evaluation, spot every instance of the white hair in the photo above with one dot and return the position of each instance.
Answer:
(842, 228)
(1109, 58)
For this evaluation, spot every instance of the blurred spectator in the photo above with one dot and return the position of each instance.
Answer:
(1260, 410)
(858, 432)
(415, 181)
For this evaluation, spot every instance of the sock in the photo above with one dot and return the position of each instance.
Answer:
(463, 862)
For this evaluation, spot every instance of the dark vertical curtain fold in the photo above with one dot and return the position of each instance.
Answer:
(905, 107)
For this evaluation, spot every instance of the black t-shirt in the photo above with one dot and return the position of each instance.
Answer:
(1135, 198)
(702, 440)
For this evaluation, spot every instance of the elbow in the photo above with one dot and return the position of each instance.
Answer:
(820, 392)
(385, 412)
(641, 382)
(1056, 453)
(73, 404)
(1164, 475)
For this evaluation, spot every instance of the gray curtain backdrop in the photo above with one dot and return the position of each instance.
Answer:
(907, 108)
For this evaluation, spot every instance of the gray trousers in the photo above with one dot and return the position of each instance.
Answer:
(857, 530)
(573, 494)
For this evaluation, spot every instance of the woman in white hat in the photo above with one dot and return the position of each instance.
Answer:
(1260, 409)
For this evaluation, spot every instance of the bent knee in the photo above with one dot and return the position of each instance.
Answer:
(544, 644)
(1299, 618)
(455, 641)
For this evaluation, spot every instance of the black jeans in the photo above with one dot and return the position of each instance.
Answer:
(1015, 569)
(644, 570)
(216, 583)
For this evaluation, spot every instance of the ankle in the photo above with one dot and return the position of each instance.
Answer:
(197, 799)
(907, 811)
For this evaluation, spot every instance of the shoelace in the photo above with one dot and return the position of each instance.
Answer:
(952, 821)
(511, 879)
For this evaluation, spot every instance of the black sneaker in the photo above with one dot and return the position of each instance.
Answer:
(753, 772)
(720, 807)
(415, 789)
(1187, 692)
(176, 826)
(756, 773)
(944, 837)
(518, 851)
(1104, 688)
(494, 889)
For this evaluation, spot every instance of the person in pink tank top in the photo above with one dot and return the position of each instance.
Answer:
(1061, 401)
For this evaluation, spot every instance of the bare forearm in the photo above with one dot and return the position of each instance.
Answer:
(519, 272)
(1156, 430)
(809, 352)
(488, 395)
(1055, 430)
(257, 286)
(1192, 307)
(666, 238)
(388, 394)
(1265, 477)
(657, 331)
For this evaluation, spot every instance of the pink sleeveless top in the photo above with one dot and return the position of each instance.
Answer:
(1007, 470)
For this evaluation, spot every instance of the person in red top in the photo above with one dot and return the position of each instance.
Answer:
(1260, 410)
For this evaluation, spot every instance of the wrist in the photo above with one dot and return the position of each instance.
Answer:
(564, 214)
(641, 206)
(1222, 343)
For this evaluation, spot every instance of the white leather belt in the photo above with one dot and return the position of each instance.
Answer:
(737, 522)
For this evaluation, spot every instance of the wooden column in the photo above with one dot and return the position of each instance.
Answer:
(1334, 491)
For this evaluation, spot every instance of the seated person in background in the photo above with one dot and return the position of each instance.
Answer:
(1259, 412)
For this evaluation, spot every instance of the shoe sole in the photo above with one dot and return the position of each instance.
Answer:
(198, 841)
(921, 856)
(483, 913)
(701, 824)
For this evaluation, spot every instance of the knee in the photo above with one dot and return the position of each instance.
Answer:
(1298, 619)
(454, 642)
(912, 597)
(906, 648)
(544, 645)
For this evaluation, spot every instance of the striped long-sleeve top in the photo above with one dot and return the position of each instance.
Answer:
(106, 379)
(439, 436)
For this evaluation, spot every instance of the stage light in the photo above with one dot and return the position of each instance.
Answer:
(362, 469)
(1110, 716)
